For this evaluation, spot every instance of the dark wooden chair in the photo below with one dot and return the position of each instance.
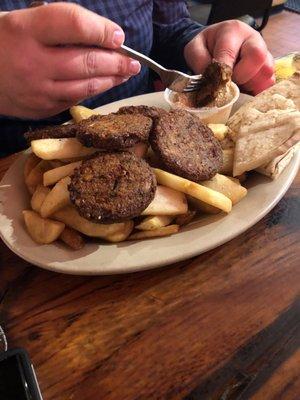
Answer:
(222, 10)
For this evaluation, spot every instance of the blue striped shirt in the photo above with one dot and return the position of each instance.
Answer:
(160, 28)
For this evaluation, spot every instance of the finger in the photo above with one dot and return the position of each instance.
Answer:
(227, 46)
(253, 56)
(65, 23)
(75, 91)
(197, 54)
(257, 85)
(263, 79)
(81, 63)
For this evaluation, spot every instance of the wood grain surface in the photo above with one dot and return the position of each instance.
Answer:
(224, 325)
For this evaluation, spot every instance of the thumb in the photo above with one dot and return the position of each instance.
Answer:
(197, 55)
(226, 48)
(67, 23)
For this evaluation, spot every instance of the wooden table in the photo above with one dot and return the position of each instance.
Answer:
(225, 325)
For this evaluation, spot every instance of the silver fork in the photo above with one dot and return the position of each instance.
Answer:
(172, 79)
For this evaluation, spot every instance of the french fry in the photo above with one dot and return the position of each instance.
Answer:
(219, 130)
(164, 231)
(31, 161)
(42, 231)
(72, 238)
(80, 112)
(54, 175)
(222, 184)
(200, 192)
(235, 180)
(58, 198)
(185, 219)
(35, 176)
(227, 165)
(122, 234)
(167, 202)
(38, 197)
(70, 216)
(155, 222)
(59, 149)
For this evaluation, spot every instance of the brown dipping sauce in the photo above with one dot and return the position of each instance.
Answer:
(224, 96)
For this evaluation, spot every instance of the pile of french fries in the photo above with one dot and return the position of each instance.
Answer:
(177, 201)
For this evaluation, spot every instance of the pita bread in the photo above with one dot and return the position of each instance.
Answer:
(266, 128)
(274, 168)
(265, 139)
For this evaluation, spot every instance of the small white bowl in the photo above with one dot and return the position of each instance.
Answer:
(208, 115)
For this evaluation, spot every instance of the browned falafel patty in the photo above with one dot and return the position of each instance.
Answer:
(112, 187)
(186, 146)
(52, 132)
(114, 131)
(151, 112)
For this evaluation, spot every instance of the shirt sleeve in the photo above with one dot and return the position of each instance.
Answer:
(172, 30)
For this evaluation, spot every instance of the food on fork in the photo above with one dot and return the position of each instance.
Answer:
(186, 146)
(214, 88)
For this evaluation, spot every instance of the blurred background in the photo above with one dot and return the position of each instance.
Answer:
(277, 20)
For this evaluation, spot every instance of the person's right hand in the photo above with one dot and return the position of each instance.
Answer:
(48, 62)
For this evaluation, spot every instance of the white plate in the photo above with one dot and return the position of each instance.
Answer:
(100, 259)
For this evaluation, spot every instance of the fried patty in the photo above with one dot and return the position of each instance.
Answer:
(186, 146)
(114, 131)
(52, 132)
(214, 78)
(151, 112)
(112, 187)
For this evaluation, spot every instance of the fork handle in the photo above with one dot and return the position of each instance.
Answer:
(127, 51)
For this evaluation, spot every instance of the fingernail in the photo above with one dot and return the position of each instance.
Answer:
(134, 67)
(118, 38)
(125, 79)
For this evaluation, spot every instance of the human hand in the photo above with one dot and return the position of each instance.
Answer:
(239, 46)
(48, 62)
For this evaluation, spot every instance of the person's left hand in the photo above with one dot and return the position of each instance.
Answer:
(239, 46)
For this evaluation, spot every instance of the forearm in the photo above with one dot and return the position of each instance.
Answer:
(173, 29)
